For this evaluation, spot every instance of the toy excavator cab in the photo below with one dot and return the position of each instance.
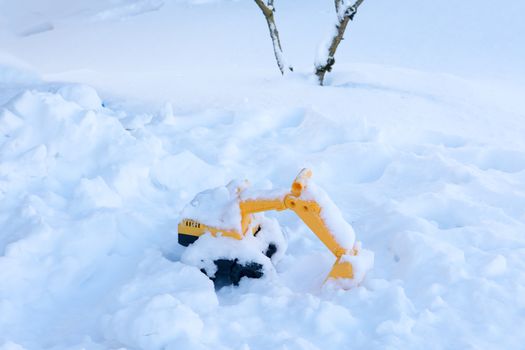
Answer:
(234, 213)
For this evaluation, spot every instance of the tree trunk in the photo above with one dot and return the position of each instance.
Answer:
(345, 13)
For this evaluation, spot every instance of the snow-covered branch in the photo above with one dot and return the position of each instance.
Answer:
(346, 10)
(268, 12)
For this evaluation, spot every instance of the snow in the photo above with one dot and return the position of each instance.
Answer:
(14, 71)
(83, 95)
(108, 128)
(207, 248)
(132, 9)
(217, 207)
(362, 264)
(156, 308)
(331, 215)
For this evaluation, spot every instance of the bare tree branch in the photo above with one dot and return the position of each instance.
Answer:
(268, 11)
(325, 60)
(337, 3)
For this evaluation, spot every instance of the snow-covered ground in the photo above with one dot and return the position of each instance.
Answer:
(114, 114)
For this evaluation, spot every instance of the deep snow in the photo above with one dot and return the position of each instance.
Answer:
(427, 167)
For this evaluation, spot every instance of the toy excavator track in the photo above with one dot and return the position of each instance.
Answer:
(230, 272)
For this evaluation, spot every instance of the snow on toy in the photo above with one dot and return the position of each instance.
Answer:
(228, 237)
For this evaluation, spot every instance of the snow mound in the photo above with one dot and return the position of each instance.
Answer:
(167, 170)
(85, 96)
(207, 249)
(156, 323)
(160, 307)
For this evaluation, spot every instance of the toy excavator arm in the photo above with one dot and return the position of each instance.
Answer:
(310, 212)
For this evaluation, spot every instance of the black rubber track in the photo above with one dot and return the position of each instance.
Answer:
(230, 272)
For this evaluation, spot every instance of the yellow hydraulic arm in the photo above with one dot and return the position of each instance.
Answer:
(310, 212)
(307, 209)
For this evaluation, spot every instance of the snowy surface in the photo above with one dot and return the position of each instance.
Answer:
(115, 114)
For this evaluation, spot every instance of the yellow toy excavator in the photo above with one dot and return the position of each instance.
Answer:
(223, 218)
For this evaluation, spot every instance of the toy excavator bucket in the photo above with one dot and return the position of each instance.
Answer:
(341, 269)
